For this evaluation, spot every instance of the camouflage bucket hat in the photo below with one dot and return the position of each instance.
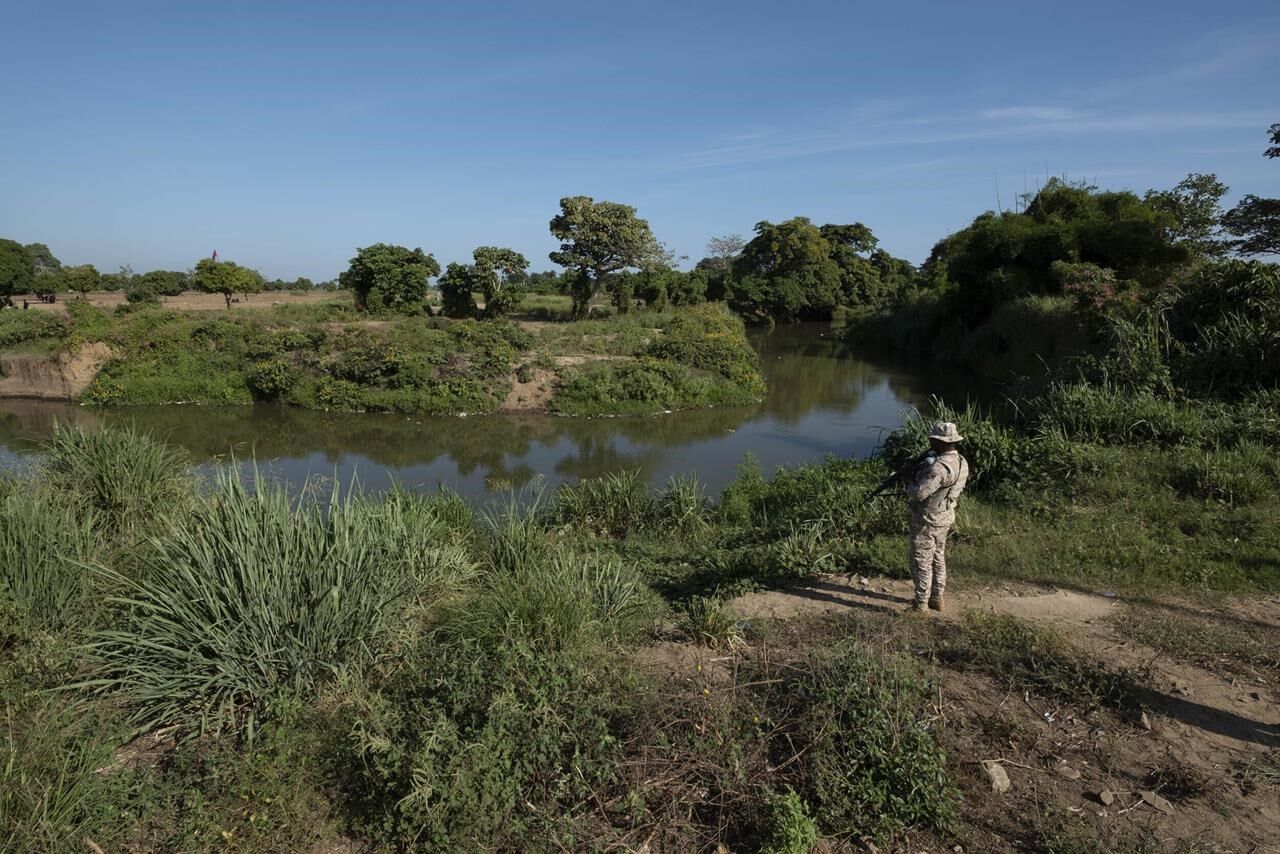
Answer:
(945, 431)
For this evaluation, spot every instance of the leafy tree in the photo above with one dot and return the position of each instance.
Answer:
(1255, 222)
(1000, 257)
(495, 271)
(388, 277)
(42, 259)
(17, 272)
(596, 239)
(169, 283)
(1195, 204)
(121, 280)
(1255, 225)
(81, 279)
(717, 267)
(226, 278)
(785, 273)
(455, 291)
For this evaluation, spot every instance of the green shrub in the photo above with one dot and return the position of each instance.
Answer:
(273, 379)
(20, 327)
(1000, 457)
(876, 765)
(791, 830)
(257, 600)
(510, 712)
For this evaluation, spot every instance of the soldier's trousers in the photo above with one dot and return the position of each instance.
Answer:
(929, 559)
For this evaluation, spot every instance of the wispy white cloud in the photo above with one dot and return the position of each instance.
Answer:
(1035, 113)
(1008, 123)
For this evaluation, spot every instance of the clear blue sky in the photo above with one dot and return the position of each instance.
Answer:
(287, 134)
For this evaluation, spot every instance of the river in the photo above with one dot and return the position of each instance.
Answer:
(822, 400)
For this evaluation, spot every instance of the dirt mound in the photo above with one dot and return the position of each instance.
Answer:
(60, 377)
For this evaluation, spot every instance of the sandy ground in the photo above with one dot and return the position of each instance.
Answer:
(187, 301)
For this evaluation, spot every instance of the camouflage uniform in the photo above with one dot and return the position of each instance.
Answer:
(932, 495)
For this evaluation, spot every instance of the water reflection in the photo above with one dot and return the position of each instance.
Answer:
(822, 400)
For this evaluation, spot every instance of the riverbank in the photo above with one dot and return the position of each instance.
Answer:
(615, 666)
(323, 355)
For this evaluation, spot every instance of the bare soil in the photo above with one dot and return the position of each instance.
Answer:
(59, 377)
(1081, 780)
(186, 301)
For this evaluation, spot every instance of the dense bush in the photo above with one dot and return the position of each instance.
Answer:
(874, 759)
(508, 714)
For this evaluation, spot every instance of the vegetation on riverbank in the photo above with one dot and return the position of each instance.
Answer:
(405, 671)
(326, 356)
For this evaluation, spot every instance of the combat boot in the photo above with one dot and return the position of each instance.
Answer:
(936, 603)
(916, 607)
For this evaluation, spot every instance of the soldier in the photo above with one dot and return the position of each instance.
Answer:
(932, 494)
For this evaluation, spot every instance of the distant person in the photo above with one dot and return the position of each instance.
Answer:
(932, 493)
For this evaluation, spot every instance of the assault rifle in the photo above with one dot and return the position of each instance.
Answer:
(910, 466)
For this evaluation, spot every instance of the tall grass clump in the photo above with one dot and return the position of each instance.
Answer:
(612, 505)
(682, 506)
(130, 478)
(875, 764)
(43, 545)
(1243, 475)
(256, 599)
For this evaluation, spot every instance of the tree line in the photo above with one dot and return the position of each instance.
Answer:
(787, 271)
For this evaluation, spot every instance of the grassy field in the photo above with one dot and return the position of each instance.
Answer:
(611, 667)
(323, 355)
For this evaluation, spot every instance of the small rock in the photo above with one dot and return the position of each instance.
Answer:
(1145, 722)
(959, 849)
(1156, 801)
(999, 779)
(1065, 770)
(1106, 798)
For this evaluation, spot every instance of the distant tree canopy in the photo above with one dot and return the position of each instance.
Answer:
(150, 286)
(226, 278)
(42, 259)
(17, 271)
(81, 279)
(1001, 257)
(1254, 223)
(596, 239)
(795, 270)
(384, 277)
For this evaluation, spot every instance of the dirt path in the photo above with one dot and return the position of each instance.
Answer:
(1227, 711)
(1204, 729)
